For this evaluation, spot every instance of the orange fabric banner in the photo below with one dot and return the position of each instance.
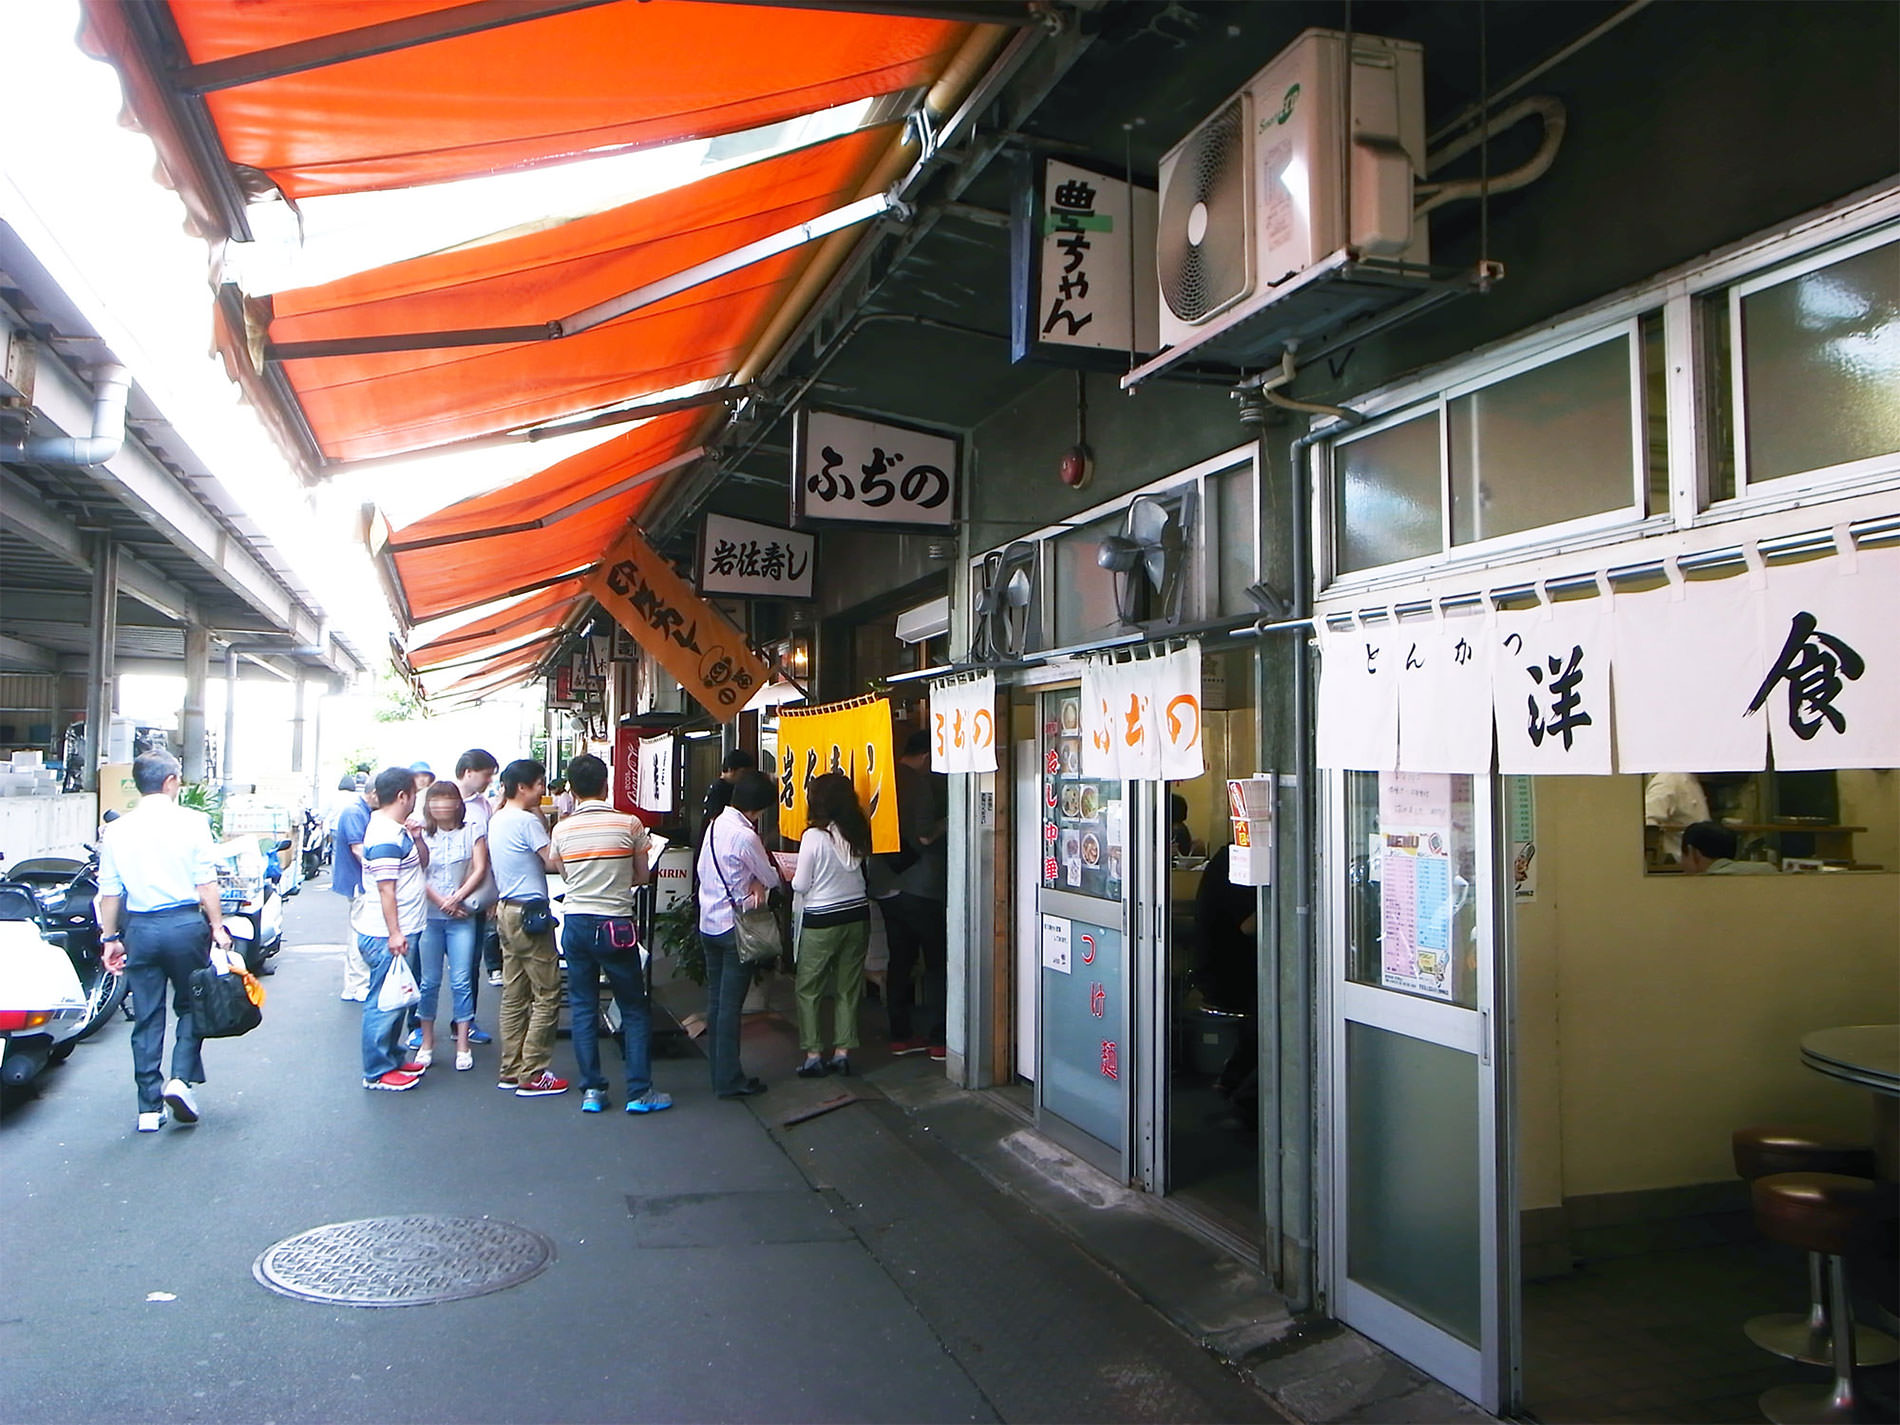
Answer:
(686, 635)
(853, 738)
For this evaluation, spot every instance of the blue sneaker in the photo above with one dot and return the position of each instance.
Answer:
(594, 1101)
(652, 1101)
(477, 1035)
(414, 1041)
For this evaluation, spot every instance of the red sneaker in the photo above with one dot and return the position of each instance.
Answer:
(395, 1081)
(541, 1085)
(415, 1067)
(908, 1046)
(938, 1053)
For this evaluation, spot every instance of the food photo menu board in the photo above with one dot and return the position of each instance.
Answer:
(1083, 828)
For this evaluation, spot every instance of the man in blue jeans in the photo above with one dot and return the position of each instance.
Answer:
(393, 908)
(603, 857)
(159, 916)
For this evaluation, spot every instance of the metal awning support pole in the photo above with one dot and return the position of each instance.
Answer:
(297, 724)
(230, 717)
(191, 718)
(102, 639)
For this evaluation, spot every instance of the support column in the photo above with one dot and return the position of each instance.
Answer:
(191, 718)
(230, 716)
(297, 725)
(102, 638)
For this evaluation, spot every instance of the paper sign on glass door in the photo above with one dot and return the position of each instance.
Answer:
(1055, 943)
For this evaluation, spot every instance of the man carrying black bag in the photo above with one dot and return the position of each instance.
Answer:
(158, 879)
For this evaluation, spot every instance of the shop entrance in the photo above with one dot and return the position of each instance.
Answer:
(1414, 1112)
(1073, 942)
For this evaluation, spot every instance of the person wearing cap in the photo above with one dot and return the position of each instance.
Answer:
(159, 915)
(424, 778)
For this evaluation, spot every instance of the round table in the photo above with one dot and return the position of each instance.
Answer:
(1867, 1055)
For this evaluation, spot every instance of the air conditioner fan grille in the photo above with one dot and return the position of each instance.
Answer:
(1201, 277)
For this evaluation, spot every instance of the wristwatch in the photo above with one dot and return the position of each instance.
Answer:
(107, 939)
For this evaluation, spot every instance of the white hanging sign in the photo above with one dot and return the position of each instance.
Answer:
(847, 469)
(1101, 696)
(1688, 660)
(1081, 268)
(1550, 689)
(963, 725)
(1830, 687)
(1055, 943)
(1141, 720)
(1359, 698)
(1444, 677)
(654, 790)
(754, 560)
(1177, 700)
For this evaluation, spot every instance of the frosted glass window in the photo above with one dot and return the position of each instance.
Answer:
(1413, 1205)
(1821, 366)
(1387, 496)
(1084, 591)
(1548, 445)
(1084, 1068)
(1236, 517)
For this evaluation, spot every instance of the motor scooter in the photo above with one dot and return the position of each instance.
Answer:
(253, 909)
(64, 889)
(42, 1007)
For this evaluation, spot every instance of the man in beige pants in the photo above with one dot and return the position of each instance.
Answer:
(521, 854)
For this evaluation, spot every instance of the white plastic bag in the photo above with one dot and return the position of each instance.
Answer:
(399, 987)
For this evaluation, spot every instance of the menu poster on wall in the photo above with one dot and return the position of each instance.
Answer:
(1055, 943)
(1415, 883)
(1520, 820)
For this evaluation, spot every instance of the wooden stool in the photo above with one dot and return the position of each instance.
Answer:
(1765, 1151)
(1837, 1217)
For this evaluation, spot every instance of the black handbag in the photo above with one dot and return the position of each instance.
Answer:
(617, 938)
(221, 1005)
(537, 916)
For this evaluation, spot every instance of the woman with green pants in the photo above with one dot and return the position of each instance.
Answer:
(836, 924)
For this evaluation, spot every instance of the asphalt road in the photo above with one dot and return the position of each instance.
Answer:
(701, 1273)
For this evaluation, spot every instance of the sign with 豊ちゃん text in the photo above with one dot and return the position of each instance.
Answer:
(963, 725)
(856, 471)
(1085, 289)
(754, 560)
(687, 636)
(851, 738)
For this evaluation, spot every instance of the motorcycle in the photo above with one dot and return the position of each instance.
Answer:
(63, 890)
(43, 1010)
(316, 845)
(253, 909)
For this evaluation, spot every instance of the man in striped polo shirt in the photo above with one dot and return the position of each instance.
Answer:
(388, 913)
(603, 857)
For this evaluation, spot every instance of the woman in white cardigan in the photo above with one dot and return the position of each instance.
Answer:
(836, 923)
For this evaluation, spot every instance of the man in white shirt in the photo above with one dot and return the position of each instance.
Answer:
(1671, 801)
(603, 857)
(158, 881)
(393, 908)
(522, 854)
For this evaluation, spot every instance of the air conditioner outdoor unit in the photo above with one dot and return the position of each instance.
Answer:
(1253, 196)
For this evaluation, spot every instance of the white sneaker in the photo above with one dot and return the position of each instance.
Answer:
(494, 977)
(464, 1060)
(424, 1057)
(178, 1098)
(151, 1122)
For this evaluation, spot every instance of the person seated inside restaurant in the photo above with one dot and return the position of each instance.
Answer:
(1708, 849)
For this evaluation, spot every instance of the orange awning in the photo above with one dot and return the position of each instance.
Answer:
(624, 75)
(498, 672)
(390, 402)
(449, 578)
(494, 633)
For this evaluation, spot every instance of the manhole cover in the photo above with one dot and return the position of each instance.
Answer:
(403, 1261)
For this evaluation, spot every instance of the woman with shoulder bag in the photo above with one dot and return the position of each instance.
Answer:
(836, 920)
(458, 867)
(735, 875)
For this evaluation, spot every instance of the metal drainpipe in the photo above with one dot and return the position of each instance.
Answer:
(1300, 1293)
(111, 388)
